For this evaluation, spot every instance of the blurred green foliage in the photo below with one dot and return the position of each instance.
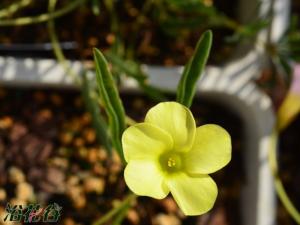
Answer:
(193, 70)
(111, 100)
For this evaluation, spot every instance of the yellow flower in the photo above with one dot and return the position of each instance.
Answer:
(167, 153)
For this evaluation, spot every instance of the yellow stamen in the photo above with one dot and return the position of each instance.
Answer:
(171, 162)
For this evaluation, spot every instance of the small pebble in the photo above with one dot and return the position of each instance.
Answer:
(94, 184)
(78, 142)
(73, 180)
(77, 196)
(83, 152)
(24, 191)
(99, 170)
(110, 39)
(164, 219)
(102, 154)
(93, 41)
(18, 131)
(86, 119)
(75, 125)
(56, 99)
(169, 62)
(133, 217)
(16, 175)
(59, 162)
(17, 201)
(169, 205)
(69, 221)
(66, 138)
(89, 135)
(2, 194)
(56, 177)
(6, 122)
(45, 114)
(92, 155)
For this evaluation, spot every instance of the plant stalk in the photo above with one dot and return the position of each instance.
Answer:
(14, 7)
(115, 210)
(43, 17)
(284, 198)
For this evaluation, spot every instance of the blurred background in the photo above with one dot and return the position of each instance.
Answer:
(52, 145)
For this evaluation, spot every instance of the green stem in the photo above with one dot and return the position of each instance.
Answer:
(121, 215)
(56, 46)
(114, 26)
(231, 24)
(12, 8)
(129, 121)
(287, 203)
(96, 7)
(118, 45)
(115, 210)
(43, 17)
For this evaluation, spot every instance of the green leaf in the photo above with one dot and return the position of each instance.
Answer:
(118, 219)
(92, 106)
(96, 7)
(193, 69)
(111, 100)
(129, 67)
(190, 6)
(133, 69)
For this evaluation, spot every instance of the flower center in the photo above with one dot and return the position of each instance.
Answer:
(170, 162)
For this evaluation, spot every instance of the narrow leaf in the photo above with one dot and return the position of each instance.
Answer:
(134, 70)
(93, 108)
(96, 7)
(193, 69)
(111, 100)
(121, 215)
(129, 67)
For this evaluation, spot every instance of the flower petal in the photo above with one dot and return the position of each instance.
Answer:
(145, 141)
(210, 152)
(177, 120)
(194, 195)
(146, 179)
